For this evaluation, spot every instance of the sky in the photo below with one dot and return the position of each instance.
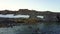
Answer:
(39, 5)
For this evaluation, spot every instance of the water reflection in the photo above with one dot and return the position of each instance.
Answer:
(17, 16)
(12, 16)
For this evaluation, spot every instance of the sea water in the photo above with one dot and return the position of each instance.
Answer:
(39, 28)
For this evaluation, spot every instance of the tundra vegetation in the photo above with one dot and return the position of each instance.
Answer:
(27, 21)
(12, 22)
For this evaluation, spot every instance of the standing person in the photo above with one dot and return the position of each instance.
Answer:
(58, 17)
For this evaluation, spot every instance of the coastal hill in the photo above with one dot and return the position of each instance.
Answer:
(48, 16)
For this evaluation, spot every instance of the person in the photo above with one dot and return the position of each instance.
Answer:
(58, 18)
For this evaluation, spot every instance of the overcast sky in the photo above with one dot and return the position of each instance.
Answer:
(41, 5)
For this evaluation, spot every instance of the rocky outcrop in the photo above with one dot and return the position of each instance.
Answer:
(48, 16)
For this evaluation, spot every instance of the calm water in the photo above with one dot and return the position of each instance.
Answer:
(17, 16)
(40, 28)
